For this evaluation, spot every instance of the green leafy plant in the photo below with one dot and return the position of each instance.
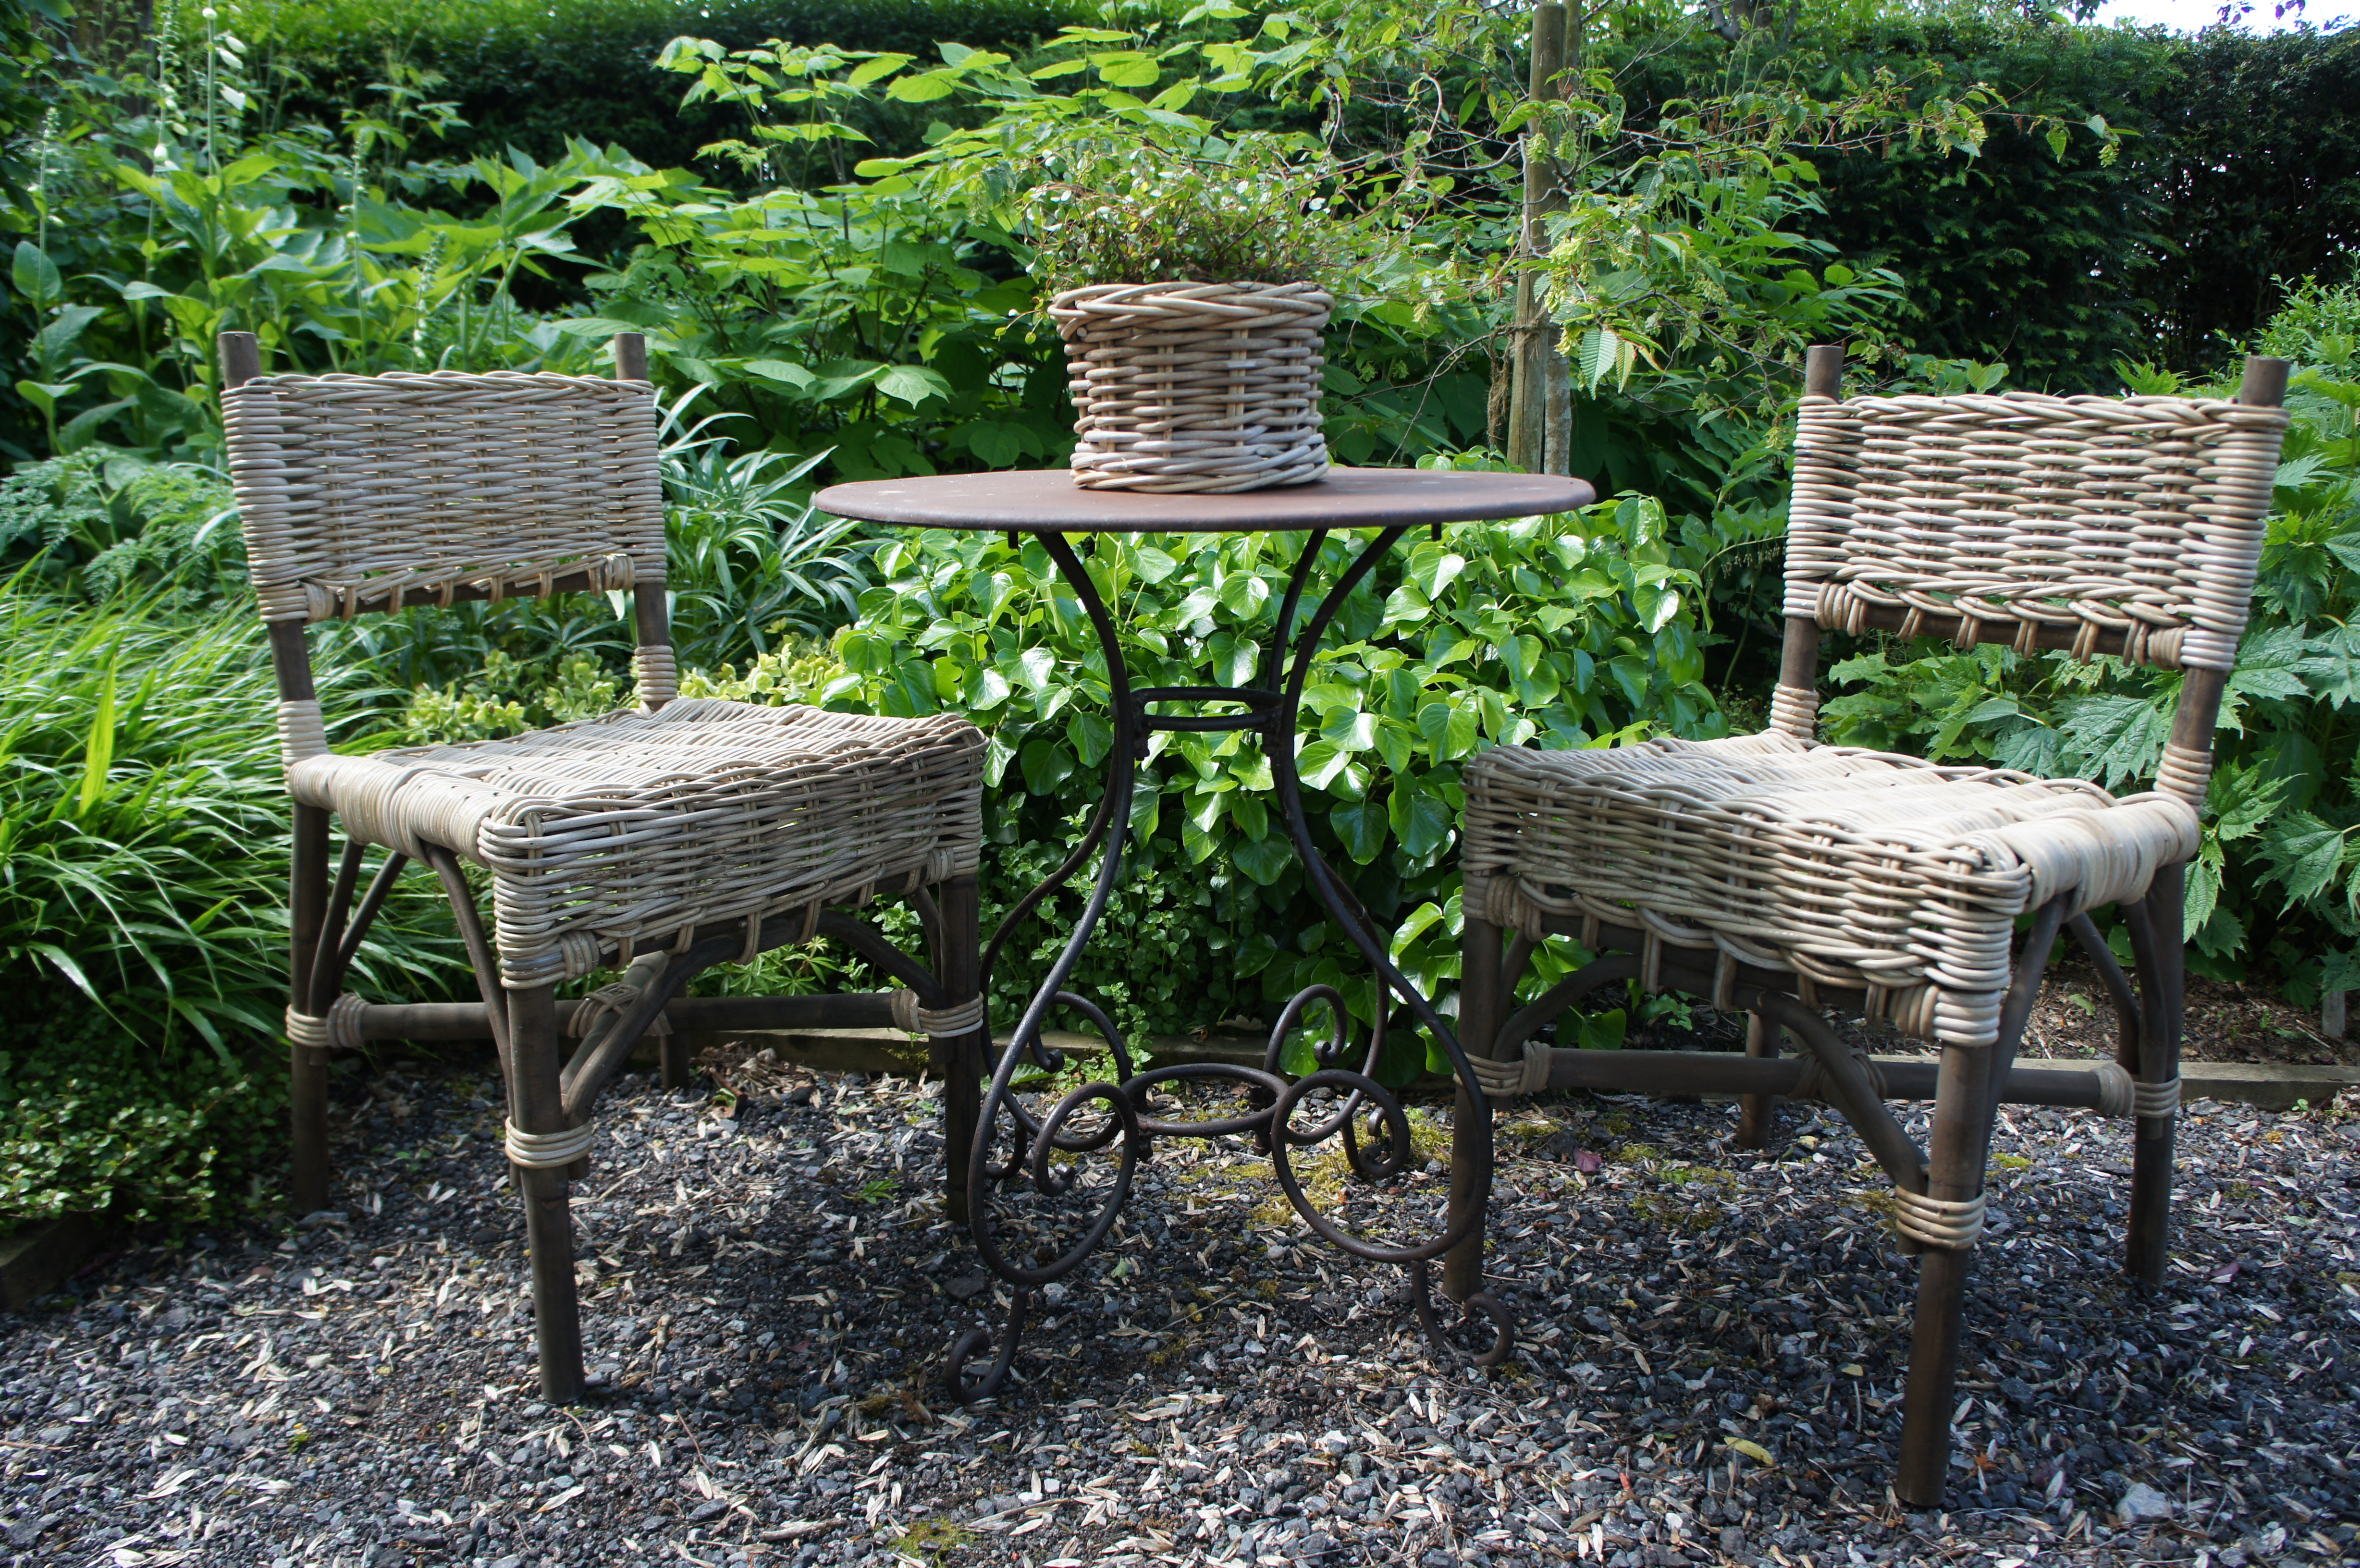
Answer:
(102, 1123)
(1231, 210)
(143, 818)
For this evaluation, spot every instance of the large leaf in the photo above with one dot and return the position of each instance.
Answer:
(1047, 765)
(1420, 819)
(2303, 854)
(2330, 666)
(912, 384)
(2114, 738)
(35, 275)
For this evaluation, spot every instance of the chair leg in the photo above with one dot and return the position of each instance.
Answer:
(959, 960)
(1961, 1111)
(671, 1057)
(536, 1101)
(2162, 976)
(1755, 1112)
(1482, 1010)
(307, 1066)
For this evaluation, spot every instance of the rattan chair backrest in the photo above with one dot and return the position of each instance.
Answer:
(2105, 525)
(372, 491)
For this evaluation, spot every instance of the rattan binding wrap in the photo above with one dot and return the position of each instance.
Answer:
(2141, 515)
(633, 828)
(1203, 387)
(376, 491)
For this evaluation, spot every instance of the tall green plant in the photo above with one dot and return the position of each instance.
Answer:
(143, 819)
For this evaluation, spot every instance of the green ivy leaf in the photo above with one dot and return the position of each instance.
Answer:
(1361, 824)
(1093, 737)
(1602, 1031)
(1420, 819)
(1047, 765)
(1266, 860)
(1319, 764)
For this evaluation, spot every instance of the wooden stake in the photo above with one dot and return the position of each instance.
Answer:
(1535, 340)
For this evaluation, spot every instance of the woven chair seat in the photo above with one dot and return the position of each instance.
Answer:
(1848, 868)
(635, 828)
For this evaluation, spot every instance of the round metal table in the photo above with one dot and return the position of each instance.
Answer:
(1049, 505)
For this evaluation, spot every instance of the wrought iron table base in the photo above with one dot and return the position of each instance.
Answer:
(1268, 709)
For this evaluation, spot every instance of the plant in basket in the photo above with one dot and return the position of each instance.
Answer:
(1190, 292)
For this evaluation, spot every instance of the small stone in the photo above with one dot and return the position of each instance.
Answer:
(711, 1509)
(2143, 1504)
(1733, 1540)
(966, 1287)
(319, 1217)
(57, 1434)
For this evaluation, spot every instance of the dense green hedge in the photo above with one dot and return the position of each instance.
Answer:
(2259, 181)
(533, 75)
(2045, 261)
(2241, 169)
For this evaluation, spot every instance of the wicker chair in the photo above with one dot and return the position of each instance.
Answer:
(1782, 877)
(659, 841)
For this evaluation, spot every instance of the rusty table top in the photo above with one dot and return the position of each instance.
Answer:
(1046, 500)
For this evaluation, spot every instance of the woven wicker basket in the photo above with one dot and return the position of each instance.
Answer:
(1195, 387)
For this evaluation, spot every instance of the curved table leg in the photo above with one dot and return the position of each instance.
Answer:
(1000, 1101)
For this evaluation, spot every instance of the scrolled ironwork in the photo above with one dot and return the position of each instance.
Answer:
(966, 1390)
(1399, 1150)
(1266, 1087)
(1503, 1322)
(1123, 1123)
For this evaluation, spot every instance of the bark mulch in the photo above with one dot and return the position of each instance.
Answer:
(1712, 1345)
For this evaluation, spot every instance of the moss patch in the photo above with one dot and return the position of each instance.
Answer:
(931, 1539)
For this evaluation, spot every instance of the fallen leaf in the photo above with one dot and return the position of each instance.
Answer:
(1751, 1450)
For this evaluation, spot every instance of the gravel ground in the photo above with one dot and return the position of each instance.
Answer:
(1709, 1370)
